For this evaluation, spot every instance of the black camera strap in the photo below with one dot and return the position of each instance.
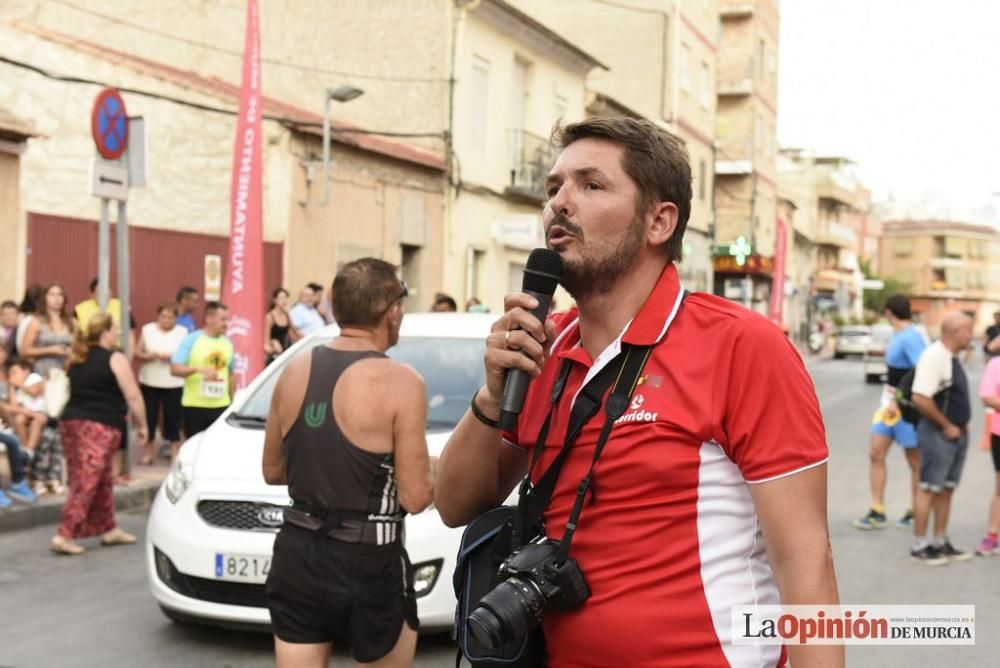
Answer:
(623, 371)
(534, 499)
(618, 402)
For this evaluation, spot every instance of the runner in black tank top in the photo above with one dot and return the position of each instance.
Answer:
(347, 433)
(327, 472)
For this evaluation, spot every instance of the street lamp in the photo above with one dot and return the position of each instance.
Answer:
(344, 93)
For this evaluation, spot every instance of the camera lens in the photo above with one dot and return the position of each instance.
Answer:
(507, 613)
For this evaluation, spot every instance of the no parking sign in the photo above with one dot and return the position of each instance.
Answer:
(109, 124)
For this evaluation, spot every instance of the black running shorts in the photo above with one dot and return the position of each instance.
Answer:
(324, 590)
(995, 446)
(197, 420)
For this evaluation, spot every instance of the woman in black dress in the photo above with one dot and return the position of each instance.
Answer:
(279, 332)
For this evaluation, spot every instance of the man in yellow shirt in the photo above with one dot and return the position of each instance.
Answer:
(86, 309)
(205, 360)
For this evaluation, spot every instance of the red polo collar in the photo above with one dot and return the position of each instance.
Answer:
(647, 328)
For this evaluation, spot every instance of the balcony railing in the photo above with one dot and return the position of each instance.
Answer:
(530, 162)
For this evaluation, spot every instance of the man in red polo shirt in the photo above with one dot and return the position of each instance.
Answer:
(711, 491)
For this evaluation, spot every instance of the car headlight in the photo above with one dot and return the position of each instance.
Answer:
(178, 479)
(425, 576)
(182, 471)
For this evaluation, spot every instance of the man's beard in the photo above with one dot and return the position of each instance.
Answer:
(589, 276)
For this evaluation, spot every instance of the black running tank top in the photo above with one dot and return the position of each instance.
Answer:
(325, 469)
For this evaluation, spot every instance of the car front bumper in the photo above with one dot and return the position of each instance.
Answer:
(181, 549)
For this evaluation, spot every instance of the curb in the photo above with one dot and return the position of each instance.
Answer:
(47, 510)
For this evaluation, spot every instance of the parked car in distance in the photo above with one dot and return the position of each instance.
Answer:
(873, 360)
(852, 340)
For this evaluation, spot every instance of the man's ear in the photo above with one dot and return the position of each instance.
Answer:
(663, 223)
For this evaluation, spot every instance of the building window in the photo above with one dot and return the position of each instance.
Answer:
(705, 94)
(559, 107)
(520, 93)
(685, 68)
(902, 247)
(701, 180)
(409, 271)
(479, 91)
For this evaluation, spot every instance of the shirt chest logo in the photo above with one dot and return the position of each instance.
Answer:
(637, 413)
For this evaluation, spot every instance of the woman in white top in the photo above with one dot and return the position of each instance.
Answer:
(157, 344)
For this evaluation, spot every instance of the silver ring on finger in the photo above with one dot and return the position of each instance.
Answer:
(506, 340)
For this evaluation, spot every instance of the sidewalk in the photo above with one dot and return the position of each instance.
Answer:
(138, 494)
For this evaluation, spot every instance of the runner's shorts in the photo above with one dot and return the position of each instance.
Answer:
(941, 460)
(324, 590)
(898, 429)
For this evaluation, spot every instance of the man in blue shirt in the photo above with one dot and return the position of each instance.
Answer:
(305, 315)
(888, 424)
(187, 302)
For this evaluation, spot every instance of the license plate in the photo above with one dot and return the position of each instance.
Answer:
(242, 567)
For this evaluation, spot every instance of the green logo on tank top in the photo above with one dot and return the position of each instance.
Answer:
(316, 415)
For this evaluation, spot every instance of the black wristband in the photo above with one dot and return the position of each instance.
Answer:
(482, 417)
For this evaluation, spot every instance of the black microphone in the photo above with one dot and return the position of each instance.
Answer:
(541, 276)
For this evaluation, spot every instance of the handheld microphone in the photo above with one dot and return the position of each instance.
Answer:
(541, 276)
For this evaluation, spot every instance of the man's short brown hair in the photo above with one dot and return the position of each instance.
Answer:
(363, 291)
(654, 159)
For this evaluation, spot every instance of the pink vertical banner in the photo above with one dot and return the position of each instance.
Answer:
(776, 311)
(243, 287)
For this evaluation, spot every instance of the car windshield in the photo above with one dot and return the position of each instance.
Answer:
(881, 335)
(854, 332)
(451, 367)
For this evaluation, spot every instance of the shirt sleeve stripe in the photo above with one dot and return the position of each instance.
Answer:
(785, 475)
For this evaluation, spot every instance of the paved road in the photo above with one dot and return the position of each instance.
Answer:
(95, 610)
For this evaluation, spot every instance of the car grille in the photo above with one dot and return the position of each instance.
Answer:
(230, 593)
(246, 515)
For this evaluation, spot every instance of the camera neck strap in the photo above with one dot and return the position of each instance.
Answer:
(624, 372)
(614, 408)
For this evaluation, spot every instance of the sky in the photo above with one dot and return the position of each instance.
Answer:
(908, 89)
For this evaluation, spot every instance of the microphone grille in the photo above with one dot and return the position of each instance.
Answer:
(542, 271)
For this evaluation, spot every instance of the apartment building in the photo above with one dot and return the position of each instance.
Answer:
(746, 153)
(514, 79)
(660, 60)
(946, 266)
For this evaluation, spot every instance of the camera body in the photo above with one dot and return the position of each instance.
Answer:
(562, 585)
(533, 581)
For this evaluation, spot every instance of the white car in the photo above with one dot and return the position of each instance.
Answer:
(212, 525)
(873, 361)
(852, 340)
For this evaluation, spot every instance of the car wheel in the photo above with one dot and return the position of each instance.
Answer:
(871, 377)
(838, 356)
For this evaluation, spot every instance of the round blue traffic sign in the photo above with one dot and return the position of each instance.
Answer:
(109, 124)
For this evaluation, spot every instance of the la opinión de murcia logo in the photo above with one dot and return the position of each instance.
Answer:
(854, 625)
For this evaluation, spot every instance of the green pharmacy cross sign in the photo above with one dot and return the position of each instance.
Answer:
(740, 250)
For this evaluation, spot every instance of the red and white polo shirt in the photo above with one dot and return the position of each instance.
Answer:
(671, 541)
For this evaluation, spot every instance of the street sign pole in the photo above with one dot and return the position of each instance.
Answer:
(103, 258)
(123, 299)
(123, 278)
(109, 125)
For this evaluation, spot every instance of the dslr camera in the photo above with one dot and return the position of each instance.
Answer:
(533, 582)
